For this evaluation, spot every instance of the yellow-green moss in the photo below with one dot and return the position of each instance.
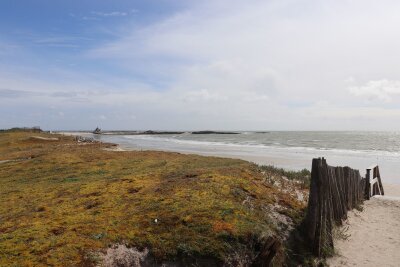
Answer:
(61, 200)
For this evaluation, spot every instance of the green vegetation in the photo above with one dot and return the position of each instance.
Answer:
(303, 176)
(64, 201)
(22, 129)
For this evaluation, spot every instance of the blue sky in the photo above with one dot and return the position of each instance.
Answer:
(50, 35)
(187, 65)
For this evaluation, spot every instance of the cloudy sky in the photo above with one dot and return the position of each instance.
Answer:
(189, 65)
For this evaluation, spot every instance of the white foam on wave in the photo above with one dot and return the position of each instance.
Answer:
(257, 146)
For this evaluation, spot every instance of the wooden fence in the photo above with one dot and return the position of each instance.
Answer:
(373, 182)
(333, 192)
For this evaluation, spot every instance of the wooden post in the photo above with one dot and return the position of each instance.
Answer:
(368, 184)
(378, 175)
(373, 182)
(333, 192)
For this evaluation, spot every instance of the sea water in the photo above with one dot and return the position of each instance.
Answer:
(287, 149)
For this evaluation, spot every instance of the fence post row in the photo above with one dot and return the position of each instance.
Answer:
(333, 192)
(375, 183)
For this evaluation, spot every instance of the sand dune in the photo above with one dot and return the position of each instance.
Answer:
(374, 233)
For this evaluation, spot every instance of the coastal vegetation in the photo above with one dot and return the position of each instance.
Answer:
(67, 202)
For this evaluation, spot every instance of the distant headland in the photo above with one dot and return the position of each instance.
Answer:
(151, 132)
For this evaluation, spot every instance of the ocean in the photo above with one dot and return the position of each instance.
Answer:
(292, 150)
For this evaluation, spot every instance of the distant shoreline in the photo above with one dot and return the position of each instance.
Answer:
(151, 132)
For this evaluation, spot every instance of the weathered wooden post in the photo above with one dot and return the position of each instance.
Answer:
(368, 184)
(333, 192)
(378, 176)
(374, 184)
(320, 208)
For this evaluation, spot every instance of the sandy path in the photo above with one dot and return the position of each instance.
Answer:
(374, 233)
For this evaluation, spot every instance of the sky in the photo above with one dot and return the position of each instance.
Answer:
(196, 65)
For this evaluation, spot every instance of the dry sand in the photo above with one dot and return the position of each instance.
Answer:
(374, 233)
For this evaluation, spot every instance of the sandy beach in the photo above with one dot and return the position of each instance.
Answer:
(374, 233)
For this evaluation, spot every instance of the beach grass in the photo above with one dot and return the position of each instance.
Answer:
(63, 202)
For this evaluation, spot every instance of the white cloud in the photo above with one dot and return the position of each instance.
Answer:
(380, 89)
(110, 14)
(98, 15)
(279, 64)
(263, 56)
(295, 45)
(59, 41)
(89, 18)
